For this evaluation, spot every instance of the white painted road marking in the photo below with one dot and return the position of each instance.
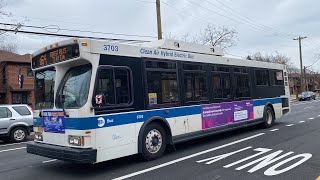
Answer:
(218, 158)
(187, 157)
(12, 144)
(308, 107)
(262, 162)
(12, 149)
(52, 160)
(289, 125)
(274, 130)
(301, 121)
(311, 118)
(319, 115)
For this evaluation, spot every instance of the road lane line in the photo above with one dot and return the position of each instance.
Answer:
(52, 160)
(12, 144)
(311, 118)
(272, 130)
(289, 125)
(319, 115)
(301, 121)
(308, 107)
(12, 149)
(187, 157)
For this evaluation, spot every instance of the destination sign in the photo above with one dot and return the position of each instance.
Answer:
(56, 55)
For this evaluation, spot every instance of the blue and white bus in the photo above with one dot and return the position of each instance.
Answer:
(98, 100)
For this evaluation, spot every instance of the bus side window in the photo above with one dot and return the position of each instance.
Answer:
(221, 82)
(114, 86)
(241, 80)
(105, 86)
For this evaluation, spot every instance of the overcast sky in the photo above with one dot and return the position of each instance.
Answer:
(265, 26)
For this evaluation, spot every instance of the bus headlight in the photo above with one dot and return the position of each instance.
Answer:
(38, 136)
(76, 140)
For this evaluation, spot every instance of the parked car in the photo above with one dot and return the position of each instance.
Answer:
(15, 122)
(307, 95)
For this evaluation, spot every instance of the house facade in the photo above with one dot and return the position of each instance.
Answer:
(16, 79)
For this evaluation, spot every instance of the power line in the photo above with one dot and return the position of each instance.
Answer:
(57, 28)
(66, 35)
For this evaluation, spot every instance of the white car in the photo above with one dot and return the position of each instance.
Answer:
(16, 122)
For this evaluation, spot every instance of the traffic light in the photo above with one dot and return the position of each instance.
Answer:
(20, 80)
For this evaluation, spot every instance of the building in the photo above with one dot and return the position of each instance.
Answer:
(11, 91)
(311, 83)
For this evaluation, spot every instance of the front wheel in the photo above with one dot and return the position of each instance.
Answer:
(154, 141)
(268, 117)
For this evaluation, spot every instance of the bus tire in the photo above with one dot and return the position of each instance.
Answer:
(154, 142)
(268, 117)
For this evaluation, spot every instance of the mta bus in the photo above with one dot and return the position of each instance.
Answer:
(97, 100)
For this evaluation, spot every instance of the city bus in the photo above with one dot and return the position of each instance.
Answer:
(98, 100)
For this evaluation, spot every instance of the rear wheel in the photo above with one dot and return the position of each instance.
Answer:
(154, 141)
(268, 117)
(18, 134)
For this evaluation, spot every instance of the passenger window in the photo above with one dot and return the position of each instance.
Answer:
(242, 85)
(22, 110)
(221, 82)
(162, 87)
(277, 78)
(196, 86)
(262, 77)
(114, 85)
(5, 112)
(162, 82)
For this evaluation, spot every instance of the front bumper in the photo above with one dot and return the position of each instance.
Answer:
(88, 156)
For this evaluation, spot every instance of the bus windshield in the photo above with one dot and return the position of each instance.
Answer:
(74, 88)
(44, 88)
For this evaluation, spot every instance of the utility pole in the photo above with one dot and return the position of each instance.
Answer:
(301, 67)
(159, 19)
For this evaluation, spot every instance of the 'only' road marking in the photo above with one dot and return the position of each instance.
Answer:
(187, 157)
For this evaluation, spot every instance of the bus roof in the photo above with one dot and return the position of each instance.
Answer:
(161, 49)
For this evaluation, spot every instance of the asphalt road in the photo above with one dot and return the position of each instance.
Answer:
(288, 150)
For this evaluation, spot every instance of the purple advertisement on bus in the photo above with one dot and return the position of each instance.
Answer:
(219, 114)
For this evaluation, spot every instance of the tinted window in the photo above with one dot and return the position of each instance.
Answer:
(221, 86)
(195, 86)
(262, 77)
(242, 85)
(44, 86)
(221, 69)
(193, 67)
(5, 112)
(29, 71)
(162, 87)
(22, 110)
(114, 85)
(277, 77)
(160, 65)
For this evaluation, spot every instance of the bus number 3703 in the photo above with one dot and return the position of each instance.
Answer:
(110, 48)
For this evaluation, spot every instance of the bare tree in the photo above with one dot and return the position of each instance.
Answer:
(276, 58)
(222, 37)
(5, 44)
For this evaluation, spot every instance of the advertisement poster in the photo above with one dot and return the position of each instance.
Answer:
(53, 121)
(219, 114)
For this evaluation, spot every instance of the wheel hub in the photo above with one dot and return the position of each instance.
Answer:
(153, 141)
